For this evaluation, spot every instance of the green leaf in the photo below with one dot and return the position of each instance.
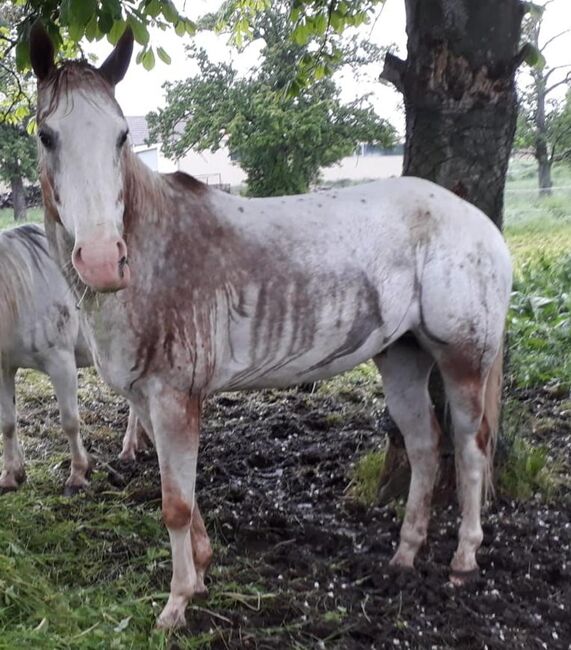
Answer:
(140, 31)
(163, 55)
(148, 59)
(169, 11)
(116, 31)
(76, 31)
(105, 22)
(533, 56)
(91, 29)
(153, 8)
(80, 12)
(22, 55)
(180, 28)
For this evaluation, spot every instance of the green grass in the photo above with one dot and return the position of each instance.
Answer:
(34, 215)
(366, 478)
(538, 231)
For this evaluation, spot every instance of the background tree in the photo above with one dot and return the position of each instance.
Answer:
(281, 140)
(17, 162)
(17, 146)
(540, 124)
(458, 83)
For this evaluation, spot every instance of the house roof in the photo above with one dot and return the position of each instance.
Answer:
(138, 128)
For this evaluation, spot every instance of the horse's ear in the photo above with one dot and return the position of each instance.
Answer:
(115, 65)
(41, 51)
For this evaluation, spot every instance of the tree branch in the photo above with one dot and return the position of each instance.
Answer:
(557, 67)
(566, 80)
(394, 71)
(553, 38)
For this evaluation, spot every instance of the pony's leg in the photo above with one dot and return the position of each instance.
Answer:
(134, 439)
(13, 472)
(201, 549)
(63, 373)
(405, 369)
(175, 421)
(465, 396)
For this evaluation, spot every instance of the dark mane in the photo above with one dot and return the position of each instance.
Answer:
(72, 75)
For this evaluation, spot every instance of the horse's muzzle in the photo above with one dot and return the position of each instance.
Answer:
(102, 264)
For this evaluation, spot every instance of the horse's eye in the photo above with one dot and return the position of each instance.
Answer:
(46, 139)
(122, 139)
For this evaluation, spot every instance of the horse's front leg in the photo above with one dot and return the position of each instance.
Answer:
(175, 419)
(13, 472)
(62, 371)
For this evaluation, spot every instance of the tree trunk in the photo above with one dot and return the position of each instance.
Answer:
(541, 153)
(544, 174)
(458, 83)
(18, 197)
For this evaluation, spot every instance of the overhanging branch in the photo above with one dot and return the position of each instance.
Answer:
(394, 71)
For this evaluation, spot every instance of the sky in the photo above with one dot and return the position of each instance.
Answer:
(141, 92)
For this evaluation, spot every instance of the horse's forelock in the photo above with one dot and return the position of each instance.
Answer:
(70, 76)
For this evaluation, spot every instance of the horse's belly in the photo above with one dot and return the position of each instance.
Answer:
(325, 359)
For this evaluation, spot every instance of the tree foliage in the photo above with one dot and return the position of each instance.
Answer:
(543, 123)
(281, 140)
(17, 146)
(17, 152)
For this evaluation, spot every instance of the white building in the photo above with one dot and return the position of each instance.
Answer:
(218, 169)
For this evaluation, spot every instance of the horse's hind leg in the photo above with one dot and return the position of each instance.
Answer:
(63, 373)
(13, 472)
(465, 393)
(135, 438)
(405, 368)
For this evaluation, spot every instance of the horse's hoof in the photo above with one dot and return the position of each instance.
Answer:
(73, 490)
(171, 620)
(461, 578)
(402, 562)
(127, 458)
(5, 489)
(11, 482)
(201, 594)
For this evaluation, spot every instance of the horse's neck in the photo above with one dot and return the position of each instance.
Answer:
(144, 194)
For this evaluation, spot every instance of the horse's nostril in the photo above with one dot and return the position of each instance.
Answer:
(77, 255)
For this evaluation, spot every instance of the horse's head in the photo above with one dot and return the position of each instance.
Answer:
(82, 133)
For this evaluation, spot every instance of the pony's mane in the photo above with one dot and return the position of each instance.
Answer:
(20, 249)
(73, 75)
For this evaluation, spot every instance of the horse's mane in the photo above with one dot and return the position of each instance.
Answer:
(73, 75)
(20, 249)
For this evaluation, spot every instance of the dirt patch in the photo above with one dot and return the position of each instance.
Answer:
(299, 564)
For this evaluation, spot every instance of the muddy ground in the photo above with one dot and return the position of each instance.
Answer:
(309, 565)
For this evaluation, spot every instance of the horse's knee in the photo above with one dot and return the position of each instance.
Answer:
(8, 426)
(70, 424)
(177, 512)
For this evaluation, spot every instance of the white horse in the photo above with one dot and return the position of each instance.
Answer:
(39, 329)
(188, 291)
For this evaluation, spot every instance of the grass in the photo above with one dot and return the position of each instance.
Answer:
(538, 231)
(526, 467)
(34, 215)
(366, 477)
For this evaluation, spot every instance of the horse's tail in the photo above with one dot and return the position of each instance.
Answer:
(490, 426)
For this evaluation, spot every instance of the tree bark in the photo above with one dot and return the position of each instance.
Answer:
(458, 83)
(18, 197)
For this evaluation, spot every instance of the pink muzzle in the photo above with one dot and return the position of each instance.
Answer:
(102, 264)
